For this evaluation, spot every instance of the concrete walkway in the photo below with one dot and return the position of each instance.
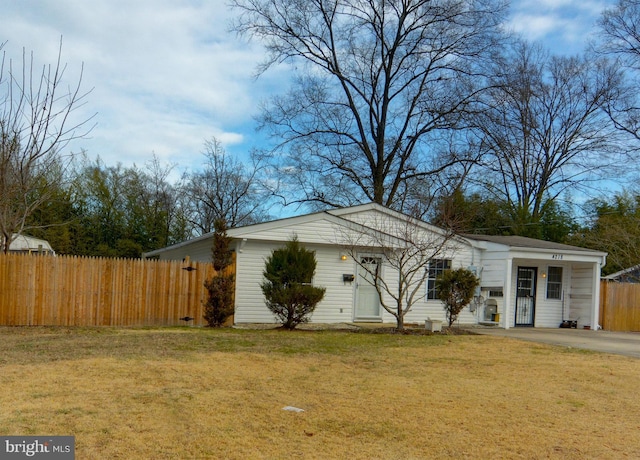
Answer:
(621, 343)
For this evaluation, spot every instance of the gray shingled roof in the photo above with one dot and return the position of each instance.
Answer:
(524, 242)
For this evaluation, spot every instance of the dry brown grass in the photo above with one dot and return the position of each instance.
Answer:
(199, 393)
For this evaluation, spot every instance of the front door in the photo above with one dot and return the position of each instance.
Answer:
(367, 300)
(525, 296)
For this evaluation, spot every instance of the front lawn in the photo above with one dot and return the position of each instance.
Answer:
(200, 393)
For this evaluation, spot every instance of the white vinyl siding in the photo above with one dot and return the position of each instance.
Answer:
(250, 306)
(581, 297)
(549, 310)
(336, 306)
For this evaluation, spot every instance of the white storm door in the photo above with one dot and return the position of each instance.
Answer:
(367, 299)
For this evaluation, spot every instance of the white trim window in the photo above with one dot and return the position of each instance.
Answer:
(554, 283)
(435, 268)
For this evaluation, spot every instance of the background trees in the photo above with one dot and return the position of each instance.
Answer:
(122, 212)
(468, 212)
(112, 211)
(614, 228)
(376, 84)
(541, 131)
(36, 125)
(407, 104)
(419, 105)
(225, 188)
(620, 40)
(118, 211)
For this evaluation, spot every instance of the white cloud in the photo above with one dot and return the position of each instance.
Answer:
(166, 75)
(563, 25)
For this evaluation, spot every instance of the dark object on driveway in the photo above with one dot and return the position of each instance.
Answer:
(566, 324)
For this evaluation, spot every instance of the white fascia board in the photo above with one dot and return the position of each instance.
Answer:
(524, 252)
(558, 255)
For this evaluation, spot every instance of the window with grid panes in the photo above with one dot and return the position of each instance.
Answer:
(554, 283)
(435, 269)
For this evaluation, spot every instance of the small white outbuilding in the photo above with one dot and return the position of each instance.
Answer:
(523, 281)
(30, 245)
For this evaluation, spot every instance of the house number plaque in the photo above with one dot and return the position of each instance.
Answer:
(556, 256)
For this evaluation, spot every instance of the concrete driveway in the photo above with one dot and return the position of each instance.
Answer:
(621, 343)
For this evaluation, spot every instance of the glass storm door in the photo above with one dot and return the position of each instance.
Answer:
(525, 296)
(367, 300)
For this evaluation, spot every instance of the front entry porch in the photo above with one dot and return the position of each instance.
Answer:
(543, 293)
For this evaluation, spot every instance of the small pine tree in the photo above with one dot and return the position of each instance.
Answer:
(287, 287)
(456, 288)
(219, 304)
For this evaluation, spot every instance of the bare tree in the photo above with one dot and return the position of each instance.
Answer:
(224, 189)
(405, 247)
(620, 40)
(376, 81)
(36, 126)
(542, 130)
(162, 201)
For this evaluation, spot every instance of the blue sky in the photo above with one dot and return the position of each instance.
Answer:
(166, 75)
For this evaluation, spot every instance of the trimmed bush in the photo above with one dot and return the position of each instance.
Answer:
(456, 289)
(287, 287)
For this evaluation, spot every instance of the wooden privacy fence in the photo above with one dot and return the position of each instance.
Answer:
(620, 306)
(87, 291)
